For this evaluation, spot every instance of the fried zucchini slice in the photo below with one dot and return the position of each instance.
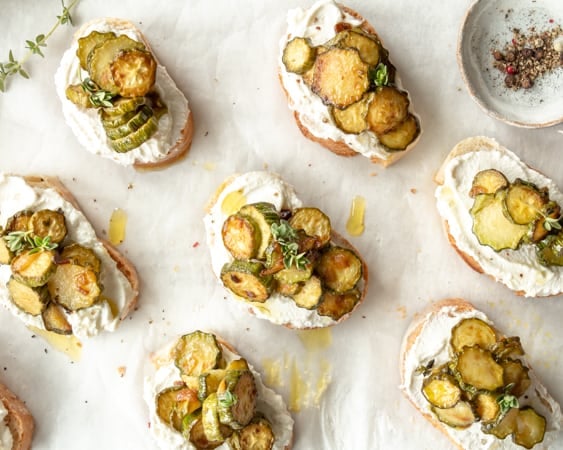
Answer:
(74, 287)
(120, 107)
(310, 294)
(237, 364)
(515, 374)
(198, 438)
(508, 348)
(77, 95)
(487, 181)
(209, 381)
(135, 138)
(472, 331)
(134, 72)
(541, 230)
(530, 428)
(30, 300)
(136, 121)
(491, 226)
(339, 268)
(487, 407)
(18, 222)
(197, 353)
(48, 223)
(87, 43)
(550, 250)
(33, 268)
(294, 274)
(6, 254)
(477, 367)
(340, 77)
(369, 48)
(459, 416)
(353, 119)
(81, 256)
(335, 305)
(387, 110)
(287, 289)
(506, 425)
(210, 419)
(264, 215)
(524, 202)
(441, 390)
(174, 403)
(313, 222)
(55, 320)
(257, 435)
(101, 57)
(241, 236)
(245, 279)
(299, 55)
(402, 135)
(236, 397)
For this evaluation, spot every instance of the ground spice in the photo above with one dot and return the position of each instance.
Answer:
(529, 56)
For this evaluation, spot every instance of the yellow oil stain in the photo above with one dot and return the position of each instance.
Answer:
(117, 226)
(272, 372)
(209, 166)
(297, 389)
(314, 340)
(355, 225)
(323, 381)
(67, 344)
(112, 305)
(233, 202)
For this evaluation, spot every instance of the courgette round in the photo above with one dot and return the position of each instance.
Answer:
(74, 287)
(399, 138)
(87, 43)
(488, 181)
(81, 256)
(245, 279)
(477, 367)
(122, 106)
(524, 202)
(472, 331)
(313, 222)
(30, 300)
(241, 236)
(441, 390)
(298, 55)
(137, 120)
(236, 397)
(459, 416)
(133, 72)
(135, 138)
(33, 268)
(49, 223)
(197, 353)
(335, 305)
(264, 215)
(339, 268)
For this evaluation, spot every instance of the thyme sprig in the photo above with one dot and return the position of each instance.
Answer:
(18, 241)
(552, 223)
(379, 75)
(227, 399)
(98, 97)
(287, 237)
(506, 403)
(34, 47)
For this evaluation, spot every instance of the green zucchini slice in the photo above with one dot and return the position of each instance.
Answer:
(506, 425)
(74, 287)
(488, 181)
(87, 43)
(33, 268)
(508, 348)
(30, 300)
(199, 439)
(441, 390)
(236, 397)
(55, 320)
(524, 202)
(135, 138)
(340, 269)
(241, 236)
(197, 353)
(137, 120)
(550, 250)
(210, 419)
(120, 107)
(530, 428)
(369, 48)
(541, 228)
(299, 55)
(209, 382)
(402, 135)
(477, 367)
(487, 407)
(77, 95)
(472, 331)
(81, 256)
(459, 416)
(264, 215)
(313, 222)
(310, 294)
(174, 403)
(294, 274)
(336, 305)
(48, 223)
(352, 119)
(515, 374)
(245, 279)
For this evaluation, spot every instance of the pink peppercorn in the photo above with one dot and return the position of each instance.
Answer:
(510, 70)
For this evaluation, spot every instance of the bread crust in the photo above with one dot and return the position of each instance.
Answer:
(19, 419)
(413, 333)
(336, 238)
(179, 149)
(125, 266)
(339, 147)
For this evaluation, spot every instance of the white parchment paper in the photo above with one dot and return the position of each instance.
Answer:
(223, 55)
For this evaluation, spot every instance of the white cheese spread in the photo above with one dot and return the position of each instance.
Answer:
(433, 344)
(518, 269)
(16, 195)
(167, 375)
(317, 23)
(6, 438)
(85, 122)
(259, 187)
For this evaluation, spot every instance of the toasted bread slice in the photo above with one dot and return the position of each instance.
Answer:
(19, 420)
(118, 270)
(455, 178)
(172, 140)
(319, 24)
(165, 374)
(426, 346)
(255, 187)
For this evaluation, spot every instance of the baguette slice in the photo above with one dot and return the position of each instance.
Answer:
(168, 145)
(252, 187)
(19, 420)
(518, 269)
(320, 23)
(427, 339)
(165, 374)
(120, 272)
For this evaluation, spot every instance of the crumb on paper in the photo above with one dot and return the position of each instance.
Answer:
(402, 310)
(414, 190)
(130, 186)
(195, 244)
(121, 371)
(373, 174)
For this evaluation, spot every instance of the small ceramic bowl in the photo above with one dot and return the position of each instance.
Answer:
(488, 26)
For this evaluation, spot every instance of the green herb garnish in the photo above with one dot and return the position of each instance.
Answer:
(379, 75)
(507, 402)
(20, 240)
(98, 97)
(227, 399)
(33, 46)
(552, 223)
(287, 237)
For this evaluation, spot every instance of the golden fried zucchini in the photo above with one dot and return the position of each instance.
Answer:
(530, 428)
(197, 353)
(402, 135)
(340, 77)
(18, 222)
(313, 222)
(174, 403)
(335, 305)
(55, 320)
(77, 95)
(487, 407)
(387, 110)
(339, 268)
(310, 294)
(74, 287)
(551, 212)
(30, 300)
(33, 268)
(81, 256)
(487, 181)
(210, 418)
(241, 236)
(550, 250)
(506, 425)
(353, 119)
(516, 375)
(48, 223)
(133, 72)
(245, 279)
(524, 202)
(369, 48)
(459, 416)
(441, 390)
(135, 138)
(257, 435)
(299, 55)
(87, 43)
(236, 397)
(209, 381)
(264, 215)
(508, 348)
(6, 254)
(477, 367)
(472, 331)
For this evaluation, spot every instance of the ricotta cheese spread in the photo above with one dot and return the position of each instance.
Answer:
(259, 187)
(518, 269)
(433, 344)
(167, 375)
(6, 438)
(85, 122)
(317, 23)
(16, 195)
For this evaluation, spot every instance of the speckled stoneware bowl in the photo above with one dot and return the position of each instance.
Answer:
(487, 26)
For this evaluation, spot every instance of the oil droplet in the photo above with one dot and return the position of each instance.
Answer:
(272, 372)
(117, 226)
(355, 224)
(69, 345)
(233, 202)
(112, 306)
(209, 166)
(323, 382)
(317, 339)
(297, 389)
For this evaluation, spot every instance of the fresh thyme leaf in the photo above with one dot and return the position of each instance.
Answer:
(98, 97)
(227, 399)
(506, 403)
(21, 240)
(552, 223)
(379, 75)
(287, 237)
(16, 240)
